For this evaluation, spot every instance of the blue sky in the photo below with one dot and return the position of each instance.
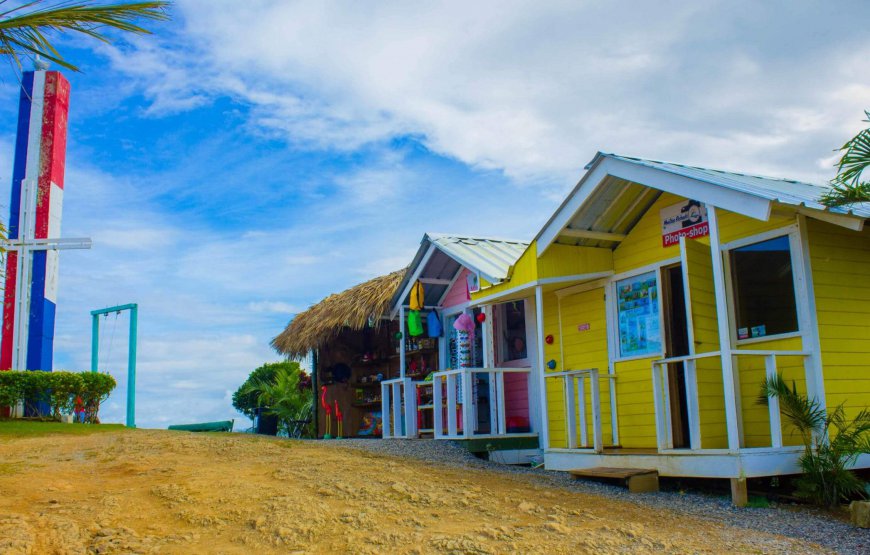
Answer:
(252, 157)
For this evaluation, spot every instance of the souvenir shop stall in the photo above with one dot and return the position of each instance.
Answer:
(355, 346)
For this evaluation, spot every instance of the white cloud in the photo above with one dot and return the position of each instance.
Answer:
(533, 89)
(274, 307)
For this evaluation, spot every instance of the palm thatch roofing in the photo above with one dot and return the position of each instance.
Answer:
(352, 309)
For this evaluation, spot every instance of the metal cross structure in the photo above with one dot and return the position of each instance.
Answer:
(30, 296)
(131, 352)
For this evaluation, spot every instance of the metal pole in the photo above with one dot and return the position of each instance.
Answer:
(95, 342)
(131, 368)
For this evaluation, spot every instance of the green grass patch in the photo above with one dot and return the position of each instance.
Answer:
(758, 502)
(18, 428)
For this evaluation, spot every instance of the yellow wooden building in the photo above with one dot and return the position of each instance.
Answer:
(663, 295)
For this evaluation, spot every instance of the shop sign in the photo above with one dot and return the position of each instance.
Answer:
(473, 281)
(686, 219)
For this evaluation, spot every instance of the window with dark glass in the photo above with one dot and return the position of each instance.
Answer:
(764, 295)
(512, 330)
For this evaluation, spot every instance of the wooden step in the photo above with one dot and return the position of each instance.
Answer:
(638, 480)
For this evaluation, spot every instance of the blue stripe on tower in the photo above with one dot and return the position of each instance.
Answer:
(20, 164)
(40, 319)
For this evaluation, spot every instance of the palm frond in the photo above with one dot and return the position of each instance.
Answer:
(847, 187)
(856, 156)
(25, 30)
(807, 415)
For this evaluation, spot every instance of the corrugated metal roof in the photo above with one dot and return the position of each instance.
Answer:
(784, 191)
(610, 198)
(491, 257)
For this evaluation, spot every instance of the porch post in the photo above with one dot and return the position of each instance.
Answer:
(731, 417)
(538, 369)
(403, 331)
(437, 414)
(385, 411)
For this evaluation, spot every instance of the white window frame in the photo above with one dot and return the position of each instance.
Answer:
(497, 333)
(613, 309)
(797, 274)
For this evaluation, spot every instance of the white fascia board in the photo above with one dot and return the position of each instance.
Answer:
(729, 199)
(855, 223)
(417, 271)
(565, 213)
(739, 202)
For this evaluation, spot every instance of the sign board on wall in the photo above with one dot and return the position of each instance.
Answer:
(686, 219)
(638, 316)
(473, 281)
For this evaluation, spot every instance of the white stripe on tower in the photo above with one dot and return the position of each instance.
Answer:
(27, 223)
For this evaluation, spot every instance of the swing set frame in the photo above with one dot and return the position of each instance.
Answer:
(131, 352)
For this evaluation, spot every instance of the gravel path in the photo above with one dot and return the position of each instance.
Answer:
(787, 520)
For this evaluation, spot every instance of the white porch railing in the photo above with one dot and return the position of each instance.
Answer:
(455, 390)
(574, 384)
(662, 401)
(399, 408)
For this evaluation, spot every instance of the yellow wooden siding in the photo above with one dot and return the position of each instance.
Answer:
(643, 245)
(524, 271)
(840, 261)
(702, 298)
(751, 372)
(565, 260)
(588, 349)
(555, 392)
(711, 404)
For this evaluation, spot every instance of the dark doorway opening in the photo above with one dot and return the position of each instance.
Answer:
(676, 338)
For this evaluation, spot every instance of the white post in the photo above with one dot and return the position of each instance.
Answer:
(398, 429)
(404, 330)
(658, 404)
(570, 412)
(502, 416)
(494, 404)
(437, 419)
(773, 404)
(539, 369)
(598, 440)
(807, 313)
(385, 410)
(581, 408)
(468, 421)
(690, 371)
(731, 417)
(451, 405)
(410, 391)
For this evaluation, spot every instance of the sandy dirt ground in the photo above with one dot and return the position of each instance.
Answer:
(171, 492)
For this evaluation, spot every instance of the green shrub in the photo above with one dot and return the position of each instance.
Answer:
(95, 389)
(57, 389)
(65, 386)
(281, 389)
(832, 443)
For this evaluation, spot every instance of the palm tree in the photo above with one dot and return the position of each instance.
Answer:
(832, 443)
(25, 30)
(847, 186)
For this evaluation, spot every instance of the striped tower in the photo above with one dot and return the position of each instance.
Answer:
(37, 199)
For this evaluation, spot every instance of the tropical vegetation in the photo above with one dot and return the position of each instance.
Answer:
(832, 443)
(63, 393)
(279, 389)
(28, 29)
(848, 187)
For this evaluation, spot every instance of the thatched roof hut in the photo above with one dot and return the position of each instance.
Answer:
(352, 309)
